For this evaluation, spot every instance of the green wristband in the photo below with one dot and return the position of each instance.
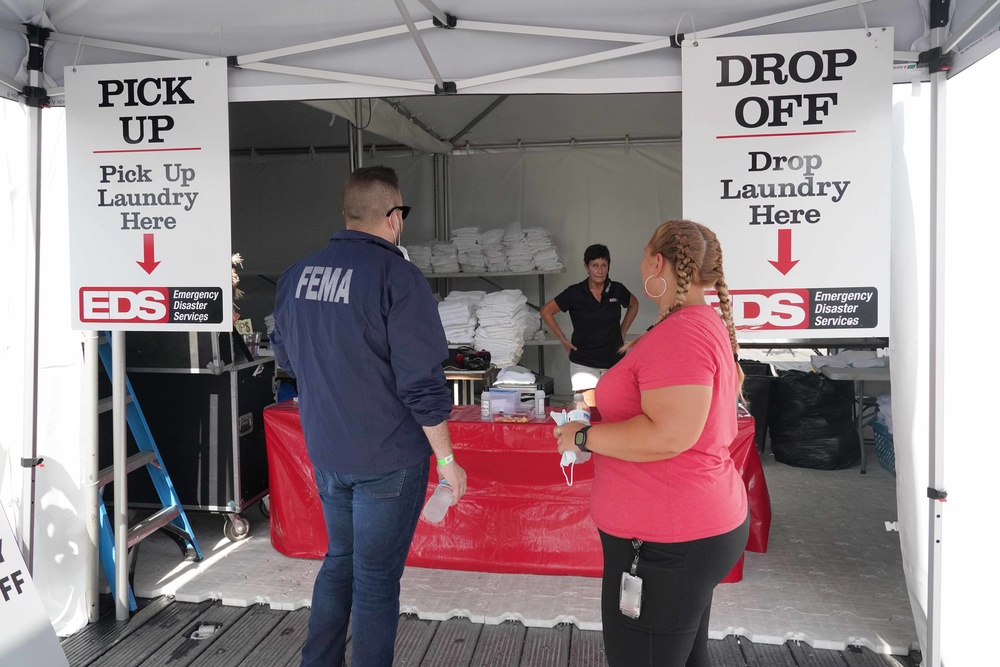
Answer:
(446, 460)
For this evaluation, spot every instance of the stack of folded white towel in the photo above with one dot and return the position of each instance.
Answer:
(533, 325)
(520, 256)
(444, 258)
(458, 317)
(502, 317)
(544, 253)
(420, 255)
(516, 376)
(470, 253)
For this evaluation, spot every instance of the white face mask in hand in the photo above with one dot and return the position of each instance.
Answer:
(568, 461)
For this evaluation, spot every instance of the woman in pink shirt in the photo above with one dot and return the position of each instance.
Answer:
(669, 504)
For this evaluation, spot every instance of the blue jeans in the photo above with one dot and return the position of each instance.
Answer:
(370, 520)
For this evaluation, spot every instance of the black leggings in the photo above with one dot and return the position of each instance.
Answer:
(678, 580)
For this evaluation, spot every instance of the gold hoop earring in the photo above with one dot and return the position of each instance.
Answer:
(651, 295)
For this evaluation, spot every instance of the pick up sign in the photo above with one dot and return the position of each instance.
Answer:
(150, 241)
(787, 158)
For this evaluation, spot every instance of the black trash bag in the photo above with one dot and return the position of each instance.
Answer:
(757, 379)
(811, 421)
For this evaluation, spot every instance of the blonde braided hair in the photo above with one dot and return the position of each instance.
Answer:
(696, 255)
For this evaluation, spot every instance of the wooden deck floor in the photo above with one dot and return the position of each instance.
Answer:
(160, 635)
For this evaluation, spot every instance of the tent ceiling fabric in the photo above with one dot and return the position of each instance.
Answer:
(392, 66)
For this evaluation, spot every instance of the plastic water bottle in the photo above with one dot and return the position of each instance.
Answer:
(579, 411)
(484, 405)
(540, 402)
(437, 505)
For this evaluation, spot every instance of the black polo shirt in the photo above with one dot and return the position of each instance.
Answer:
(597, 332)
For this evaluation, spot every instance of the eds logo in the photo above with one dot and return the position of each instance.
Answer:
(758, 310)
(124, 304)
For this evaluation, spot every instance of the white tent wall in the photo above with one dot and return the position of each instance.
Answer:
(610, 195)
(62, 553)
(971, 454)
(908, 342)
(287, 206)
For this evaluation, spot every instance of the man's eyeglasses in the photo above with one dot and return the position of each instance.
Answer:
(404, 211)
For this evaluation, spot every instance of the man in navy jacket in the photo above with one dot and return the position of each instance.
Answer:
(357, 326)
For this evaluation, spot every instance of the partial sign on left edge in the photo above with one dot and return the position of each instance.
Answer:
(150, 241)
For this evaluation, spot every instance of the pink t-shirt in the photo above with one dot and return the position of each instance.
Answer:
(698, 493)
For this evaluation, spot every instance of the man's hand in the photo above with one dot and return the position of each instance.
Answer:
(568, 345)
(440, 441)
(455, 475)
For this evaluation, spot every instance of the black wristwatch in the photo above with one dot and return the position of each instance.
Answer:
(580, 439)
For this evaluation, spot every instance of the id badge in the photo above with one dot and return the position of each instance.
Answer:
(630, 599)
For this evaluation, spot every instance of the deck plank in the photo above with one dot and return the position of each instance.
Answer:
(182, 650)
(413, 638)
(98, 638)
(283, 643)
(231, 648)
(453, 644)
(807, 656)
(766, 655)
(135, 649)
(500, 645)
(862, 656)
(726, 652)
(586, 648)
(546, 647)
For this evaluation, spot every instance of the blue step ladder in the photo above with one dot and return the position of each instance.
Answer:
(170, 518)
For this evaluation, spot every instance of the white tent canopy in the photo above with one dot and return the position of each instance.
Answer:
(365, 49)
(311, 49)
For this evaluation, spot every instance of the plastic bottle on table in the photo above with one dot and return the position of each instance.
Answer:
(437, 505)
(579, 412)
(540, 402)
(484, 405)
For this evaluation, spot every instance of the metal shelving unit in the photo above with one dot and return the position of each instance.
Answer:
(485, 276)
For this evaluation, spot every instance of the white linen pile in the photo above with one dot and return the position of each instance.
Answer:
(459, 320)
(545, 256)
(420, 255)
(444, 258)
(533, 325)
(520, 256)
(516, 376)
(502, 317)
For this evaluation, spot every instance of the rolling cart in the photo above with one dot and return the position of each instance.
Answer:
(203, 395)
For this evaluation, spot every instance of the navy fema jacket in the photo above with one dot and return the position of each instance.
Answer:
(357, 326)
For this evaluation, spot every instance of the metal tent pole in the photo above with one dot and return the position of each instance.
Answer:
(118, 393)
(936, 366)
(88, 429)
(36, 99)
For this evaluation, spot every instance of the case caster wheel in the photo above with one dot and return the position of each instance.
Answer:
(236, 528)
(265, 505)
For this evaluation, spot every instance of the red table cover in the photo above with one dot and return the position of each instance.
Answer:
(518, 515)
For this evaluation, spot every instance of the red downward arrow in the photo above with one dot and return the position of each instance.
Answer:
(785, 261)
(147, 263)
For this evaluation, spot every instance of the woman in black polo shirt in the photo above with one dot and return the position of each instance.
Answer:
(594, 308)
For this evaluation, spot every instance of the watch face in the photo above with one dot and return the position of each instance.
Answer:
(581, 437)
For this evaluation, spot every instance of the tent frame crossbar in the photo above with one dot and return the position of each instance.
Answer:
(781, 17)
(421, 47)
(419, 86)
(123, 46)
(974, 20)
(592, 35)
(612, 54)
(330, 43)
